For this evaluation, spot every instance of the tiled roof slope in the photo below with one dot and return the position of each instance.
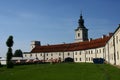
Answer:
(72, 46)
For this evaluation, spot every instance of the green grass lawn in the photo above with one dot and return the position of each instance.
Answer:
(63, 71)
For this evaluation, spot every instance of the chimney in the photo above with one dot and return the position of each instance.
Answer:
(110, 34)
(90, 39)
(103, 36)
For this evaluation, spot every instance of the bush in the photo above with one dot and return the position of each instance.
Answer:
(98, 60)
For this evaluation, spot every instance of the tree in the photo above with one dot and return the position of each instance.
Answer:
(18, 53)
(9, 41)
(9, 44)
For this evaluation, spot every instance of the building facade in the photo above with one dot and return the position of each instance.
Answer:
(82, 50)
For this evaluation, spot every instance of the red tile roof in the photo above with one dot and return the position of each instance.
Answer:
(72, 46)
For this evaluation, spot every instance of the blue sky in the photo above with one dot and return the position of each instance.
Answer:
(54, 21)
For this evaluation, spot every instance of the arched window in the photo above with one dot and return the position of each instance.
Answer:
(78, 34)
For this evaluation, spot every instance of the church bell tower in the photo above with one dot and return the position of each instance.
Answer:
(81, 33)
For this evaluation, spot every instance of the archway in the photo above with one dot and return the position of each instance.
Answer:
(68, 59)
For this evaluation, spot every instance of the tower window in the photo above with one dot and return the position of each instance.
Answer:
(78, 34)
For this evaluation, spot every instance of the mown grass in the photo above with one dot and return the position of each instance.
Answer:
(63, 71)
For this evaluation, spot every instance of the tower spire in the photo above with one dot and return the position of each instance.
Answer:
(81, 14)
(81, 21)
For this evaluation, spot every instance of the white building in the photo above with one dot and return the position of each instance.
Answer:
(3, 61)
(82, 50)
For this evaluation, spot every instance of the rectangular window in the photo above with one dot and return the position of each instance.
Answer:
(89, 59)
(100, 50)
(59, 54)
(117, 55)
(80, 52)
(68, 54)
(80, 59)
(103, 50)
(41, 54)
(51, 54)
(117, 39)
(76, 59)
(91, 51)
(76, 53)
(97, 51)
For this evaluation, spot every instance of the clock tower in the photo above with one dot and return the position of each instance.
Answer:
(81, 33)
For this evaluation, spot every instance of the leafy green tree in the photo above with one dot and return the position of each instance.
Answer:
(9, 44)
(18, 53)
